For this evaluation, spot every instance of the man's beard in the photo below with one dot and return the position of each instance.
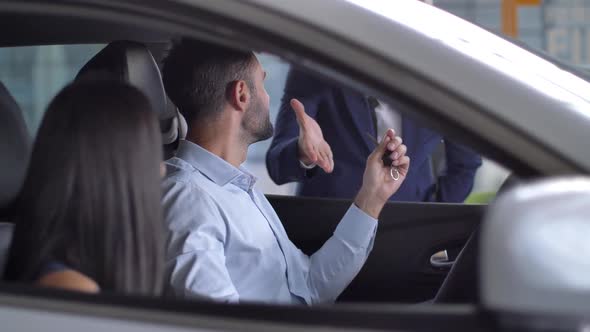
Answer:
(257, 123)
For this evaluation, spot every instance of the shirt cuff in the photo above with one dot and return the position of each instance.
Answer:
(302, 164)
(357, 228)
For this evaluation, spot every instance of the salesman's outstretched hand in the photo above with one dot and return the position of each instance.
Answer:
(378, 185)
(313, 148)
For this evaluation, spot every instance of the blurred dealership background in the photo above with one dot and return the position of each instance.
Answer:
(559, 27)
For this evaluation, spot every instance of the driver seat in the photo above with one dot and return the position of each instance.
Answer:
(15, 149)
(133, 63)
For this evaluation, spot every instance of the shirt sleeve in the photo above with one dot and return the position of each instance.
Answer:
(195, 257)
(340, 259)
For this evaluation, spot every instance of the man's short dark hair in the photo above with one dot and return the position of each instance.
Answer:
(196, 76)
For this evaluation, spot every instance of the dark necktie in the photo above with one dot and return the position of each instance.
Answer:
(373, 104)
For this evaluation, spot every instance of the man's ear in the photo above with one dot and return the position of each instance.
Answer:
(239, 95)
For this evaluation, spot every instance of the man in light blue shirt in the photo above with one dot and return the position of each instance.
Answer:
(225, 240)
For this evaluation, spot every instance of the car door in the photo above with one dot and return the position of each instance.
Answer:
(401, 266)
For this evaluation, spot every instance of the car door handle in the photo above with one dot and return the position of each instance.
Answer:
(440, 260)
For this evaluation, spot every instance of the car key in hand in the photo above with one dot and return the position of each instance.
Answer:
(387, 161)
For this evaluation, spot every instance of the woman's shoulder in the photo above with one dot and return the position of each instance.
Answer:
(60, 276)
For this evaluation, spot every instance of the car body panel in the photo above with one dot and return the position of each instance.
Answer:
(26, 309)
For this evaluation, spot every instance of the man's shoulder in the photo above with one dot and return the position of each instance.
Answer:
(184, 177)
(185, 188)
(179, 171)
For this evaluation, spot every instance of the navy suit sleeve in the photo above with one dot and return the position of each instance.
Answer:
(282, 161)
(462, 163)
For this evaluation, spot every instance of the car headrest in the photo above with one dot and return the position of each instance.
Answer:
(176, 129)
(535, 250)
(15, 149)
(133, 63)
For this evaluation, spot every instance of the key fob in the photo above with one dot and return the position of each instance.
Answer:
(387, 161)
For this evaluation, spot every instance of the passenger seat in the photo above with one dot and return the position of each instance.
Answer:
(15, 150)
(133, 63)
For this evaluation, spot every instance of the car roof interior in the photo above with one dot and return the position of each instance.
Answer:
(63, 30)
(55, 30)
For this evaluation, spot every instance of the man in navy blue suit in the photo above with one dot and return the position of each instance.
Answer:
(327, 156)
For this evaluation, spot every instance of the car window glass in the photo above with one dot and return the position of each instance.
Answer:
(34, 74)
(488, 177)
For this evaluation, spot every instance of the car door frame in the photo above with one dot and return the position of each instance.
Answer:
(496, 138)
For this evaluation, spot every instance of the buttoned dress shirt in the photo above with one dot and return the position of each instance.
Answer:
(226, 242)
(387, 117)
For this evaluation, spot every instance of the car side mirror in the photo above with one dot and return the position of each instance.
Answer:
(535, 256)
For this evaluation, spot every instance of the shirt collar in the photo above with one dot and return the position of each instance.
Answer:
(213, 167)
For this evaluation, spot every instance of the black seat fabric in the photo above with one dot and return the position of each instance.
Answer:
(133, 63)
(6, 231)
(15, 149)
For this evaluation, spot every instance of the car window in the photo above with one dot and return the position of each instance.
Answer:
(488, 177)
(34, 74)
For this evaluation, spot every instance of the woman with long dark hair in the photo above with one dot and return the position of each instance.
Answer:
(90, 215)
